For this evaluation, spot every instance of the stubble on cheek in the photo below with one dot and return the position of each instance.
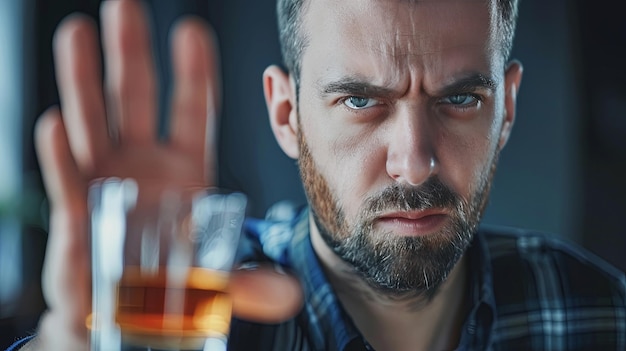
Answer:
(329, 218)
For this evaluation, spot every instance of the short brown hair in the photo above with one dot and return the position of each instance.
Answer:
(293, 40)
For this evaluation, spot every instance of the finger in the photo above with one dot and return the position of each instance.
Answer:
(63, 181)
(66, 270)
(196, 93)
(265, 295)
(77, 64)
(130, 81)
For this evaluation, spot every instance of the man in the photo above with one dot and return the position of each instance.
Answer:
(396, 112)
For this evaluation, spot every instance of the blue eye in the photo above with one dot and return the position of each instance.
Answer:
(359, 102)
(461, 99)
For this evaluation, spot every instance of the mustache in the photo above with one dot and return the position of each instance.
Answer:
(433, 193)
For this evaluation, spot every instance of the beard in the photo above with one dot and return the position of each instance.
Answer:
(395, 265)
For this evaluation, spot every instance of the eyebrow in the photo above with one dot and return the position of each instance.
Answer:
(356, 87)
(467, 84)
(352, 86)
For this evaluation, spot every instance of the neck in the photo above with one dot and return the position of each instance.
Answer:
(392, 322)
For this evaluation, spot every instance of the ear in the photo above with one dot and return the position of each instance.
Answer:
(512, 81)
(280, 97)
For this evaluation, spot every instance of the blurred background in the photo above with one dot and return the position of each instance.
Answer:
(563, 171)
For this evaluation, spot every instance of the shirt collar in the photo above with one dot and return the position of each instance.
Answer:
(477, 333)
(324, 313)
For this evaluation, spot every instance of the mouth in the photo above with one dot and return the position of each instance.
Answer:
(412, 223)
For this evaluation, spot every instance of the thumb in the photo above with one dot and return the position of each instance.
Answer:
(265, 294)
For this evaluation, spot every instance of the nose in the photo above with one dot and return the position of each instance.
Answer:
(410, 152)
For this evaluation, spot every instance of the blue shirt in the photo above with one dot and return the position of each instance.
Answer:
(527, 291)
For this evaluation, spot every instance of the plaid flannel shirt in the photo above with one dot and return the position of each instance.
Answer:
(528, 291)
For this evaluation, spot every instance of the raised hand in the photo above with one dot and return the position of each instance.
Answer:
(107, 127)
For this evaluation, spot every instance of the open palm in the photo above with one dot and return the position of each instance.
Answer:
(107, 127)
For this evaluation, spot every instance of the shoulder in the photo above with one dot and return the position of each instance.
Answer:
(542, 259)
(552, 292)
(269, 238)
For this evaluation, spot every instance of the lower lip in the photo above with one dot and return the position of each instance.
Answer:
(411, 227)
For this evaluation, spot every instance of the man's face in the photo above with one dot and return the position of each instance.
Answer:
(401, 112)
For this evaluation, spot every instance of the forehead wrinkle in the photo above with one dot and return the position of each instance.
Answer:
(418, 41)
(419, 36)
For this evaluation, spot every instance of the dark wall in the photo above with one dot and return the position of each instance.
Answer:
(603, 49)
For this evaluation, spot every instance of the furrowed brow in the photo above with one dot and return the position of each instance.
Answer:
(351, 86)
(470, 83)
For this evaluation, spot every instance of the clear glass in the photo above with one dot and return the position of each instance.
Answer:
(161, 258)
